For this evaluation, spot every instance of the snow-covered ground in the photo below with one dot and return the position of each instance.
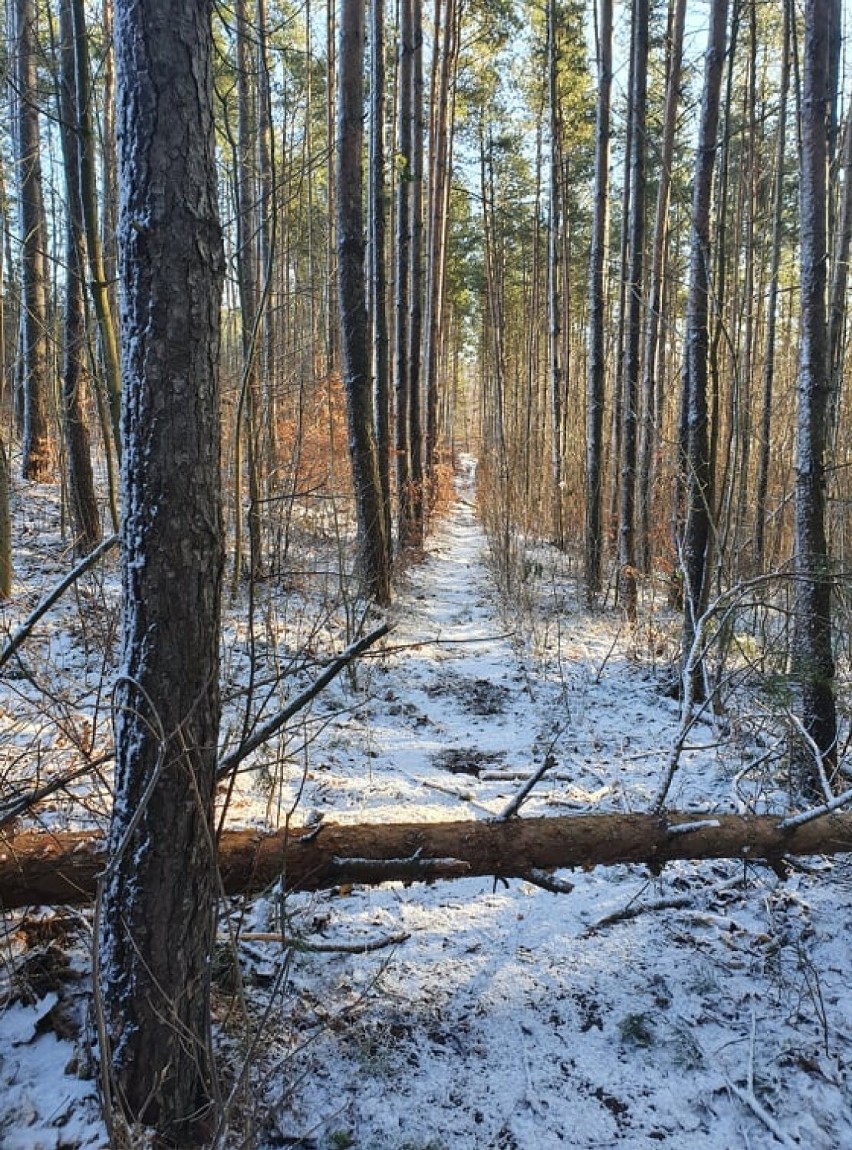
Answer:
(707, 1007)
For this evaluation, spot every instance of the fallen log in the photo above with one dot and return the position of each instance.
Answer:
(42, 869)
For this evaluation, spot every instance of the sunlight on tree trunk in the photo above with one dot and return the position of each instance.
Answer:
(695, 415)
(159, 887)
(373, 548)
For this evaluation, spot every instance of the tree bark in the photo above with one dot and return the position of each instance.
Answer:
(5, 525)
(373, 546)
(695, 411)
(378, 286)
(811, 658)
(98, 274)
(554, 284)
(765, 438)
(403, 279)
(37, 446)
(415, 291)
(159, 886)
(247, 429)
(85, 516)
(6, 565)
(654, 327)
(597, 315)
(627, 590)
(444, 67)
(41, 869)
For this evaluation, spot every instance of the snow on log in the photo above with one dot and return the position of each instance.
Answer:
(41, 869)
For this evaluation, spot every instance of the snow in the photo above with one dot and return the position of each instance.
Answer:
(705, 1007)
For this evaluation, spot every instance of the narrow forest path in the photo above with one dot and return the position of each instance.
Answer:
(451, 714)
(705, 1007)
(511, 1018)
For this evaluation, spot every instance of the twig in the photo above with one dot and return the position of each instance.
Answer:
(608, 655)
(819, 760)
(748, 1098)
(515, 804)
(58, 591)
(25, 802)
(300, 944)
(695, 661)
(828, 808)
(440, 641)
(634, 909)
(546, 881)
(264, 733)
(462, 796)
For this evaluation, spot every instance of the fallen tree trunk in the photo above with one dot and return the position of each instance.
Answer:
(40, 869)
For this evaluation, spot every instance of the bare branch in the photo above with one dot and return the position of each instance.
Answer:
(59, 590)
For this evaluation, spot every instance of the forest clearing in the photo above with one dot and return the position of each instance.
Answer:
(705, 1005)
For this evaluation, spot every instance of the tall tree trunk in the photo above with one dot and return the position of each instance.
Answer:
(37, 448)
(811, 658)
(445, 63)
(5, 473)
(493, 396)
(695, 409)
(377, 213)
(109, 190)
(596, 372)
(332, 334)
(837, 306)
(267, 227)
(731, 519)
(765, 439)
(98, 277)
(415, 291)
(403, 278)
(247, 275)
(653, 327)
(554, 315)
(373, 550)
(159, 887)
(85, 516)
(616, 415)
(721, 431)
(5, 525)
(633, 328)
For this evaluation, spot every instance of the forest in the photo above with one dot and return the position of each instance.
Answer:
(425, 672)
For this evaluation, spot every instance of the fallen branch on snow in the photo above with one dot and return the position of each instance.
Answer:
(263, 734)
(52, 597)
